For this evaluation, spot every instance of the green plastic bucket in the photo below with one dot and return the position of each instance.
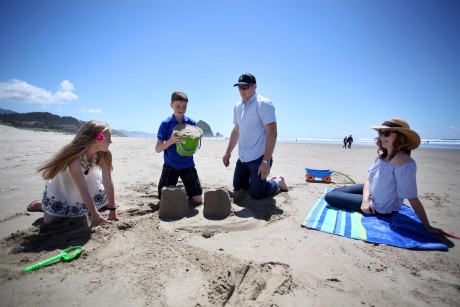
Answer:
(191, 139)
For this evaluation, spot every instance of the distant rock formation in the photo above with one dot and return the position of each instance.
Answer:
(207, 131)
(4, 111)
(46, 120)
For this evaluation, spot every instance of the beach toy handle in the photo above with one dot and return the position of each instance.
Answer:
(42, 264)
(190, 151)
(352, 181)
(66, 255)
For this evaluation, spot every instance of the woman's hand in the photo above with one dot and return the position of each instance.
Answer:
(418, 208)
(441, 232)
(367, 207)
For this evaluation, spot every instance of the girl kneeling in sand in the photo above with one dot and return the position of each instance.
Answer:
(392, 178)
(75, 185)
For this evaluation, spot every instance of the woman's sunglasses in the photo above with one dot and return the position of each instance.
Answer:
(244, 87)
(385, 133)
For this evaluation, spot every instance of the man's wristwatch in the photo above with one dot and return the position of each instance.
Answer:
(266, 162)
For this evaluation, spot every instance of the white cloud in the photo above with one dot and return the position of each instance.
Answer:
(92, 111)
(453, 128)
(66, 86)
(21, 91)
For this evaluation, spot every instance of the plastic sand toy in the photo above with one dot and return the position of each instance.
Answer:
(66, 255)
(324, 175)
(191, 139)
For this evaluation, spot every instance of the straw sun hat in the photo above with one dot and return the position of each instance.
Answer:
(400, 125)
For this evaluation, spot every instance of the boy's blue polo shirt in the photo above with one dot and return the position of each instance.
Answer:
(171, 157)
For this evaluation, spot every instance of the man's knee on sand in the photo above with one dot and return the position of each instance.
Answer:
(258, 193)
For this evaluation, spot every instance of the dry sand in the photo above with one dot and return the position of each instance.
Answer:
(257, 256)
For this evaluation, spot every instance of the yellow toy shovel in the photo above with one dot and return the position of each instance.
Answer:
(66, 255)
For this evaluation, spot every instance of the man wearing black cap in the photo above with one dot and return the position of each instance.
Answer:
(255, 132)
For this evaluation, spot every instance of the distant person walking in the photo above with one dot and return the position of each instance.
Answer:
(349, 141)
(255, 132)
(345, 141)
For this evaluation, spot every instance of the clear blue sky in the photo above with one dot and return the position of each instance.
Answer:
(331, 67)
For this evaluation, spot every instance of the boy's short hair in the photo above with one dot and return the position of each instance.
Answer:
(179, 96)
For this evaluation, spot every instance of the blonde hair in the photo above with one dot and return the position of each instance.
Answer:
(85, 137)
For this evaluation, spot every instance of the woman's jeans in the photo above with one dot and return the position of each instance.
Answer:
(349, 197)
(246, 177)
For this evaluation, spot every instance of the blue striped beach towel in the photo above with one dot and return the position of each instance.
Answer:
(402, 229)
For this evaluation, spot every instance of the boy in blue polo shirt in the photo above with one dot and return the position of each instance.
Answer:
(175, 165)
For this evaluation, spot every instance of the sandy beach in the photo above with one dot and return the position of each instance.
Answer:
(258, 256)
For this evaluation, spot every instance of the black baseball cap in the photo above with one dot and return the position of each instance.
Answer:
(246, 79)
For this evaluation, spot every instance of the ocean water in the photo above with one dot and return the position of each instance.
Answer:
(426, 143)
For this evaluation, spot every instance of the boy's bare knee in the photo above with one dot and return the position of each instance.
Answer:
(197, 199)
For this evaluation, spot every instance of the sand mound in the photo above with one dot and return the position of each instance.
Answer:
(216, 204)
(185, 130)
(174, 203)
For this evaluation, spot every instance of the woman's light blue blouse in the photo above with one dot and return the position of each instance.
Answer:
(390, 184)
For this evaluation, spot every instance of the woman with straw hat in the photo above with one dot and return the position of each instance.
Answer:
(392, 178)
